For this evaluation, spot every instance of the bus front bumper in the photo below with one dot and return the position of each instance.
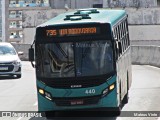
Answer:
(108, 101)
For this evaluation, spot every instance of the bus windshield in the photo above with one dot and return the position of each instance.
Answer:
(74, 59)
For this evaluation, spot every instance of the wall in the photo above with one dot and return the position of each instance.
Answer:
(145, 42)
(146, 55)
(145, 16)
(59, 4)
(130, 3)
(144, 32)
(74, 4)
(29, 35)
(33, 18)
(24, 48)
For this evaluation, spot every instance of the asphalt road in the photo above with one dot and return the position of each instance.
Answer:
(144, 95)
(19, 94)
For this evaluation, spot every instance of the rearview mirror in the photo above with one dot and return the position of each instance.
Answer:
(31, 54)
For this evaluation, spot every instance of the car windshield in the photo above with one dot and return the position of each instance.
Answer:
(7, 50)
(78, 59)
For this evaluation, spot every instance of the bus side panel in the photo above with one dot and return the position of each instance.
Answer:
(123, 69)
(130, 68)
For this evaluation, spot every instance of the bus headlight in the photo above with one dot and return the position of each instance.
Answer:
(16, 62)
(41, 91)
(108, 90)
(111, 87)
(45, 94)
(105, 91)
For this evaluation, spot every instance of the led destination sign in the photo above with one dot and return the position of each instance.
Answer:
(72, 31)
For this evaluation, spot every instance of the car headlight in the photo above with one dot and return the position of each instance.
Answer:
(16, 62)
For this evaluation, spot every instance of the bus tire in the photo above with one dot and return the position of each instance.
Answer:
(125, 99)
(117, 111)
(49, 114)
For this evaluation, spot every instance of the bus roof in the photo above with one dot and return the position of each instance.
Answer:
(102, 16)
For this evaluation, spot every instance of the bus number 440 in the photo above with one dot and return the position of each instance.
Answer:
(90, 91)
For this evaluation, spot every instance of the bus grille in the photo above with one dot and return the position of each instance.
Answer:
(66, 84)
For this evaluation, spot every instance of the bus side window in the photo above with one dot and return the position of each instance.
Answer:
(118, 32)
(127, 32)
(115, 38)
(121, 26)
(118, 38)
(115, 33)
(123, 35)
(127, 44)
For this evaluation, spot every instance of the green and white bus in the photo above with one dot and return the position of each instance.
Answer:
(82, 60)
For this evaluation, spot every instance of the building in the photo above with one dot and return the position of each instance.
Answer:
(76, 4)
(13, 28)
(22, 16)
(131, 3)
(13, 20)
(72, 4)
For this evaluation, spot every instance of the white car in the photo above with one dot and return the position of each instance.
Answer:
(10, 64)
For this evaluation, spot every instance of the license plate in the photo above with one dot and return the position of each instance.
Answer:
(3, 68)
(77, 102)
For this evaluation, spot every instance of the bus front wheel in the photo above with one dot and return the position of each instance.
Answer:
(125, 99)
(117, 111)
(49, 114)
